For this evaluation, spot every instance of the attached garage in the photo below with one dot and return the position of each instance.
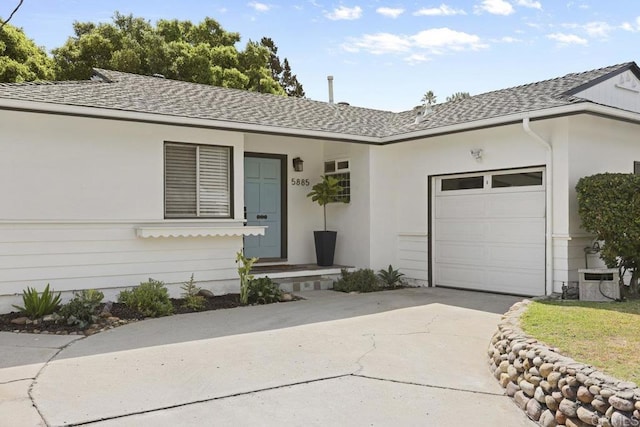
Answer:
(489, 231)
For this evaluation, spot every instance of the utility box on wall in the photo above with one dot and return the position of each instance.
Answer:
(599, 284)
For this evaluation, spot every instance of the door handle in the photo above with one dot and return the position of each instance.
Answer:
(261, 216)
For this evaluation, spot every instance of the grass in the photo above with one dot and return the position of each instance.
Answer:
(605, 335)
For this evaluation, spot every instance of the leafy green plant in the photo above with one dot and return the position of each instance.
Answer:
(36, 305)
(192, 300)
(263, 291)
(82, 309)
(363, 280)
(149, 298)
(609, 207)
(390, 277)
(244, 271)
(326, 191)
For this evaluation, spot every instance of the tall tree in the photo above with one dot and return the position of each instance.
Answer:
(20, 59)
(281, 71)
(429, 98)
(200, 53)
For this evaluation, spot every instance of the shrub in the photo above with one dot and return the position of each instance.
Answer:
(390, 277)
(263, 291)
(82, 309)
(192, 300)
(609, 207)
(150, 298)
(363, 280)
(37, 305)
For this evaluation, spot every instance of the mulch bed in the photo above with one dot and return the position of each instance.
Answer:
(116, 314)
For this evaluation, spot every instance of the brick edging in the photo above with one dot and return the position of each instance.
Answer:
(555, 390)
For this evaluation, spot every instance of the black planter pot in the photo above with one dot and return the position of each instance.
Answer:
(325, 247)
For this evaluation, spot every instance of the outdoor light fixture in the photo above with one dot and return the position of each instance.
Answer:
(477, 153)
(297, 164)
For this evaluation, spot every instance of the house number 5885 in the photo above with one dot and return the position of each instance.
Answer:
(298, 181)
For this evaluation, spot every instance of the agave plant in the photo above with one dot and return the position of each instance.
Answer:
(37, 305)
(390, 277)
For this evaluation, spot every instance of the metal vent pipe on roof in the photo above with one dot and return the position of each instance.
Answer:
(330, 81)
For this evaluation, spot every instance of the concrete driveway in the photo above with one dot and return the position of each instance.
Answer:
(406, 357)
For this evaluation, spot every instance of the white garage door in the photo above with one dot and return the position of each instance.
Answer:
(489, 231)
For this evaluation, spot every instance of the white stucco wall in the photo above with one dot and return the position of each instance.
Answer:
(596, 145)
(74, 190)
(400, 183)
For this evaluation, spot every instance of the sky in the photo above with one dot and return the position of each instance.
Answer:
(385, 54)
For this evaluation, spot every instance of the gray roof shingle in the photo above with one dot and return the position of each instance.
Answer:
(135, 93)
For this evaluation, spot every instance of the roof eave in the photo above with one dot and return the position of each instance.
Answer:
(93, 112)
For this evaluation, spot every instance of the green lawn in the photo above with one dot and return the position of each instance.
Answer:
(605, 335)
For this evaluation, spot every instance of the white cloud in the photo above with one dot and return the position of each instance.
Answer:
(530, 3)
(631, 27)
(259, 7)
(345, 13)
(495, 7)
(435, 41)
(567, 39)
(443, 10)
(379, 43)
(416, 58)
(598, 29)
(509, 39)
(390, 11)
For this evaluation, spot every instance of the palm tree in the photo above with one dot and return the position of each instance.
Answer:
(429, 98)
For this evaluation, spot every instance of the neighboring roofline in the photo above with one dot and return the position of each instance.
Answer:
(630, 67)
(584, 107)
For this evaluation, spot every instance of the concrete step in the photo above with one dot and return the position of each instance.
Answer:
(306, 283)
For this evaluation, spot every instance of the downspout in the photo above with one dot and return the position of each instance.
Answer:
(549, 203)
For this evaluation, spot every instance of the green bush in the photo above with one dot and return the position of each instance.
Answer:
(36, 305)
(263, 291)
(150, 299)
(363, 280)
(390, 277)
(192, 300)
(609, 207)
(82, 309)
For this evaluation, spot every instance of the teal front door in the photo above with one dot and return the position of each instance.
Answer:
(263, 204)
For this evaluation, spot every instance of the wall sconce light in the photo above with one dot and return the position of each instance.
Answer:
(297, 164)
(477, 153)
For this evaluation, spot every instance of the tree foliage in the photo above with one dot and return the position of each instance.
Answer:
(429, 98)
(20, 59)
(458, 96)
(281, 71)
(609, 207)
(201, 53)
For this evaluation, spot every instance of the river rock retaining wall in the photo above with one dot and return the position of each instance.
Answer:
(553, 389)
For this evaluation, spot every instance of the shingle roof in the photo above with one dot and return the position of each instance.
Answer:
(135, 93)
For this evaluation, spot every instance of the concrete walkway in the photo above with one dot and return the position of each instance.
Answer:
(407, 357)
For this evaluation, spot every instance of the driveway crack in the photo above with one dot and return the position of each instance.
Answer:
(372, 337)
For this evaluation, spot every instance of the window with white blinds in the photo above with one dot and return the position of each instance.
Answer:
(197, 181)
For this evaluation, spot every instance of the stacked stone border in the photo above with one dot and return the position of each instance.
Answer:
(555, 390)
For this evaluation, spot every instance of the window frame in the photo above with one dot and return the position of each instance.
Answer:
(341, 173)
(230, 177)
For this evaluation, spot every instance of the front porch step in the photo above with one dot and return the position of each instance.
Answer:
(305, 283)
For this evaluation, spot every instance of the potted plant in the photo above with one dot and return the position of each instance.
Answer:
(326, 191)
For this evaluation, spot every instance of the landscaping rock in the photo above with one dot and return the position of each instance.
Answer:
(534, 409)
(20, 320)
(584, 395)
(621, 404)
(521, 399)
(587, 416)
(512, 389)
(568, 408)
(547, 419)
(527, 387)
(206, 293)
(620, 420)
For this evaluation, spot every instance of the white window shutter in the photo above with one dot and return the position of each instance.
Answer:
(180, 180)
(214, 182)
